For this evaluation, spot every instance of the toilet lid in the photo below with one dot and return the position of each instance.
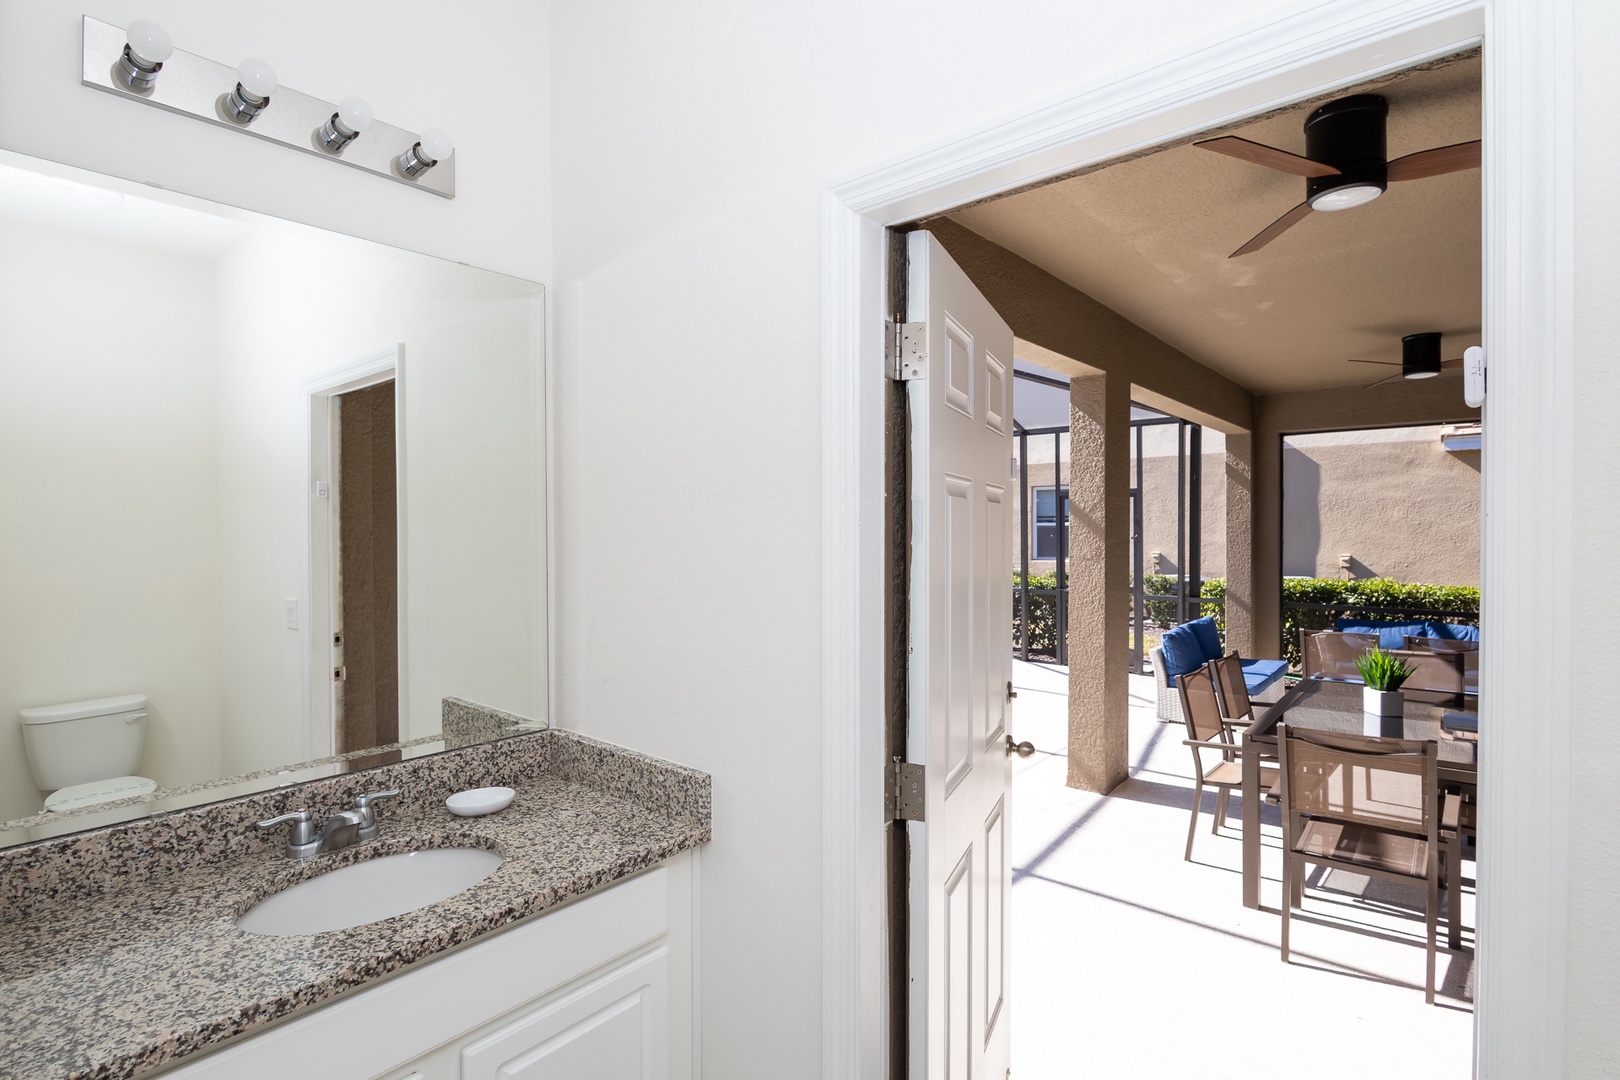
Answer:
(100, 791)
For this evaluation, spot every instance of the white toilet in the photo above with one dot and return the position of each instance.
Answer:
(83, 752)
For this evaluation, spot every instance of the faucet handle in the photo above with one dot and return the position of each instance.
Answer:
(366, 806)
(301, 837)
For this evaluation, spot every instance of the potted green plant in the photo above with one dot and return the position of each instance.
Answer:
(1383, 673)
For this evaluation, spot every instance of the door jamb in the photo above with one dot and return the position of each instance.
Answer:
(1528, 186)
(319, 555)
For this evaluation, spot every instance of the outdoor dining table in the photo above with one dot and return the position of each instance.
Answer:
(1328, 705)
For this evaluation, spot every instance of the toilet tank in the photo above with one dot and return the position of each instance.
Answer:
(83, 741)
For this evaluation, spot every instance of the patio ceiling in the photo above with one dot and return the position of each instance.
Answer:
(1149, 238)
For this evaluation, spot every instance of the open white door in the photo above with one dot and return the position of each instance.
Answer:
(960, 400)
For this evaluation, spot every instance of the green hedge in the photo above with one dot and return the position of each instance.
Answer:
(1042, 613)
(1359, 599)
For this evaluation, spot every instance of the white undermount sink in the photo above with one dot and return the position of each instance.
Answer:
(365, 892)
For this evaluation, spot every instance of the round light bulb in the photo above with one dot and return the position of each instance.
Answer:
(149, 42)
(257, 78)
(436, 144)
(1343, 198)
(355, 114)
(1421, 374)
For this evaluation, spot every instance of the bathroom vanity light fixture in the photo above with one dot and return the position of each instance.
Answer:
(432, 148)
(255, 82)
(146, 46)
(344, 126)
(127, 64)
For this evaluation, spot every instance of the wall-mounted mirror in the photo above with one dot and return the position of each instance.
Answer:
(270, 495)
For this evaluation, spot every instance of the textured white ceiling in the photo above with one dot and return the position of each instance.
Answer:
(1150, 239)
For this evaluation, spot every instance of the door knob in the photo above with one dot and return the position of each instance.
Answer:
(1022, 749)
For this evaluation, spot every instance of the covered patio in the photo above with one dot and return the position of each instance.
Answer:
(1111, 925)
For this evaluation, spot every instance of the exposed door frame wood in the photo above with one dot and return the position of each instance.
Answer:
(1295, 54)
(320, 531)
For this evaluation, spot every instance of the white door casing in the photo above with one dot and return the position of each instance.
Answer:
(961, 665)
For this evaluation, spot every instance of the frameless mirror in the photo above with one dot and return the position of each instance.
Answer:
(271, 495)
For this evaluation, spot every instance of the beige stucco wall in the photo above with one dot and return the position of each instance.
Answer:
(1397, 502)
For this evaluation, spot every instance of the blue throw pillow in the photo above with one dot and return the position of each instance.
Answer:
(1391, 635)
(1181, 651)
(1453, 631)
(1209, 638)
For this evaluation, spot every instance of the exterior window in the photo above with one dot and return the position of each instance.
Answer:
(1047, 523)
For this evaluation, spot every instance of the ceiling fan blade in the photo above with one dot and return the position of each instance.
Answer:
(1386, 363)
(1381, 382)
(1436, 162)
(1457, 363)
(1274, 230)
(1269, 156)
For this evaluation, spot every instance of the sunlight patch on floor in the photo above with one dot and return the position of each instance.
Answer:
(1130, 962)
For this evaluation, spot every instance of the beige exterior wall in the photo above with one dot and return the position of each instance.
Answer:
(1394, 500)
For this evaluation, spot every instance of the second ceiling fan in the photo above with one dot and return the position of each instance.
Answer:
(1420, 359)
(1345, 163)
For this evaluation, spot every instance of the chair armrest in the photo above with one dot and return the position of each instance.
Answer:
(1232, 748)
(1450, 812)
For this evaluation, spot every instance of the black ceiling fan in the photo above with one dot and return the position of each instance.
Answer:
(1420, 359)
(1345, 162)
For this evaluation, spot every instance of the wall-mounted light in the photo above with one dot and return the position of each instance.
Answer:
(344, 126)
(125, 63)
(255, 82)
(432, 148)
(147, 47)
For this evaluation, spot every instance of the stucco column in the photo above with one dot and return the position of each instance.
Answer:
(1240, 634)
(1099, 580)
(1267, 561)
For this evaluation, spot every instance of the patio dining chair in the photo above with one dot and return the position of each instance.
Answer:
(1231, 691)
(1207, 733)
(1439, 672)
(1468, 649)
(1370, 806)
(1332, 654)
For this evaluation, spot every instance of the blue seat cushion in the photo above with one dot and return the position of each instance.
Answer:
(1260, 674)
(1391, 635)
(1453, 631)
(1209, 638)
(1182, 652)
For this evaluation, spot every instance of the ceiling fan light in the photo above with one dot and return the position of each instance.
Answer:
(1345, 197)
(1420, 355)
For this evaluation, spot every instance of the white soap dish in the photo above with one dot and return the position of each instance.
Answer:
(480, 801)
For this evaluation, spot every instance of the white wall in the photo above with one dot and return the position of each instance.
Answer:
(481, 72)
(477, 70)
(1592, 1045)
(108, 532)
(292, 304)
(693, 141)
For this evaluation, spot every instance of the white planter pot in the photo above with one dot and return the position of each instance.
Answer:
(1382, 702)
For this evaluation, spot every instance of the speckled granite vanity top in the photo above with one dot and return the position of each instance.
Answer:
(119, 950)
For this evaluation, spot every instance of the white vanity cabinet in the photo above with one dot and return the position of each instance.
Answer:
(601, 988)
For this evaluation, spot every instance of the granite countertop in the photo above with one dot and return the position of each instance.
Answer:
(153, 969)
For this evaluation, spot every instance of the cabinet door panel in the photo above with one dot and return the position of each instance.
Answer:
(616, 1028)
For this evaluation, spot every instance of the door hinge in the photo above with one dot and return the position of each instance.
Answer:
(905, 350)
(906, 791)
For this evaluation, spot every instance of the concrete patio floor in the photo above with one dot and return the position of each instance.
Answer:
(1130, 962)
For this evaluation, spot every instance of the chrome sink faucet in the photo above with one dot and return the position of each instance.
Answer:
(343, 829)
